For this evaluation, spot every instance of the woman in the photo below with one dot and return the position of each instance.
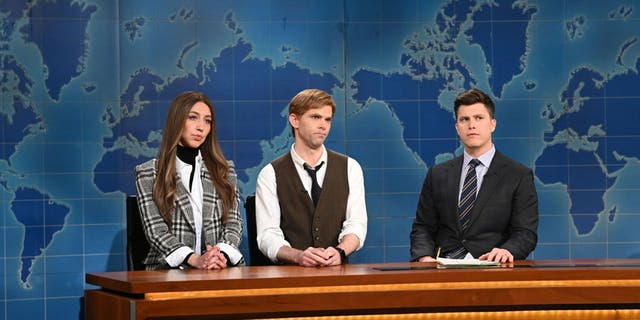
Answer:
(188, 196)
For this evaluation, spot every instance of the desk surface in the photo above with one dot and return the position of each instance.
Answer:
(139, 282)
(601, 285)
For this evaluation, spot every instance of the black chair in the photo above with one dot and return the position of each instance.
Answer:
(137, 245)
(256, 258)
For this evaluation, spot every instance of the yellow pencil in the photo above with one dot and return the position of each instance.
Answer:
(438, 253)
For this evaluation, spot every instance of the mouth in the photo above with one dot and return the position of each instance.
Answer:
(197, 137)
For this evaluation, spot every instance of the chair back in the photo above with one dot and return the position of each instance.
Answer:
(137, 245)
(256, 258)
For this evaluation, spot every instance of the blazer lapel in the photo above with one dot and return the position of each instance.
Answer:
(453, 189)
(209, 197)
(182, 199)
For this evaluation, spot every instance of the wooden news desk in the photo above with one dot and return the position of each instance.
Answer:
(575, 289)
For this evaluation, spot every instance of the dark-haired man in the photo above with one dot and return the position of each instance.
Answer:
(481, 204)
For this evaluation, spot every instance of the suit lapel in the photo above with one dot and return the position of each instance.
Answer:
(453, 188)
(183, 203)
(209, 196)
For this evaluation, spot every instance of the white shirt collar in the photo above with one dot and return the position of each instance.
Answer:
(485, 158)
(298, 161)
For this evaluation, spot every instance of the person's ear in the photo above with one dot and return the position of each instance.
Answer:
(294, 121)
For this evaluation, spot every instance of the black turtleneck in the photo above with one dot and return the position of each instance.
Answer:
(188, 155)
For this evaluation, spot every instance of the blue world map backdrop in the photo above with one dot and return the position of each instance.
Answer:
(85, 86)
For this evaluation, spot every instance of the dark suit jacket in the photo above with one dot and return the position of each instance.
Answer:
(505, 214)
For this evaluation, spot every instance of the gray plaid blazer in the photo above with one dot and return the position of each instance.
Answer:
(164, 241)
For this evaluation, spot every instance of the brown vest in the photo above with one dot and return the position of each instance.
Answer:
(302, 225)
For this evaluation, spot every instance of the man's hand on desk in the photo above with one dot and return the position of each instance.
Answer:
(311, 256)
(317, 257)
(497, 254)
(427, 259)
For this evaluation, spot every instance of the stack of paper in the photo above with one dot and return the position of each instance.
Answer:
(465, 263)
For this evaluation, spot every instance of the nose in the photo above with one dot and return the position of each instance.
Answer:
(200, 125)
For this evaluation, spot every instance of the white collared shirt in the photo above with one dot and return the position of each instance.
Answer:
(481, 169)
(270, 236)
(196, 199)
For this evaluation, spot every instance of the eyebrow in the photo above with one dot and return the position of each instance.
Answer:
(319, 115)
(198, 113)
(473, 115)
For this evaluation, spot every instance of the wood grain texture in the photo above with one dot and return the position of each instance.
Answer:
(406, 288)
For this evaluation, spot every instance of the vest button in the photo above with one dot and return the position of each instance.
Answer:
(317, 229)
(317, 238)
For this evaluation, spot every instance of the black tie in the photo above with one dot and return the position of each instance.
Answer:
(315, 187)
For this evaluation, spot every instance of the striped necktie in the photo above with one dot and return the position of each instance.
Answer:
(468, 196)
(465, 205)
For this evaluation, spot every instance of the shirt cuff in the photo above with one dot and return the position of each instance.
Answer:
(234, 255)
(176, 257)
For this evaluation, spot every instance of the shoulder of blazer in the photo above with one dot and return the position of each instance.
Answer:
(232, 176)
(501, 161)
(453, 163)
(146, 168)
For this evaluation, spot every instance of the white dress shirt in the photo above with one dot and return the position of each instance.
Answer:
(270, 237)
(481, 170)
(195, 198)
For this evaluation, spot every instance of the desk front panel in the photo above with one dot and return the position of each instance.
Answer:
(366, 289)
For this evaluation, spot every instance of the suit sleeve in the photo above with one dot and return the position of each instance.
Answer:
(425, 223)
(523, 227)
(233, 228)
(155, 228)
(231, 231)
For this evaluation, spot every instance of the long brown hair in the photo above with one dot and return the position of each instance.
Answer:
(164, 187)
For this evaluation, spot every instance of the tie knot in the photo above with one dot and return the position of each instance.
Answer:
(311, 170)
(473, 163)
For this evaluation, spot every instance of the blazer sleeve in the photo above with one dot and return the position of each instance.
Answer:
(156, 230)
(232, 230)
(524, 218)
(229, 232)
(425, 223)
